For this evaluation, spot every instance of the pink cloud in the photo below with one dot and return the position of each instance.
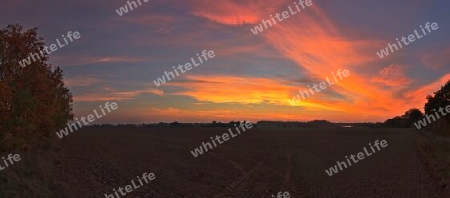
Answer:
(116, 95)
(150, 20)
(436, 60)
(81, 81)
(235, 12)
(393, 75)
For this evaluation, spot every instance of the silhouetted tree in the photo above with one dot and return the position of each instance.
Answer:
(175, 124)
(34, 102)
(412, 116)
(394, 122)
(440, 99)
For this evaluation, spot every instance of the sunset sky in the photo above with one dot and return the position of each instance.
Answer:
(251, 77)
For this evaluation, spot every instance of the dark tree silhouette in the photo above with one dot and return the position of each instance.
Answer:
(441, 99)
(34, 102)
(413, 115)
(394, 122)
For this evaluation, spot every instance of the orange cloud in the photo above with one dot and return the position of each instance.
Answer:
(319, 48)
(235, 12)
(418, 96)
(228, 89)
(310, 39)
(263, 91)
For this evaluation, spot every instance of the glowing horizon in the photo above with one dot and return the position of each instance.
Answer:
(252, 77)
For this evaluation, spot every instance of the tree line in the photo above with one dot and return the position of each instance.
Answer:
(439, 99)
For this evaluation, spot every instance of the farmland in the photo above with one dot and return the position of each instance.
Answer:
(258, 163)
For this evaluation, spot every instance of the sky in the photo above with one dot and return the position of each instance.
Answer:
(252, 77)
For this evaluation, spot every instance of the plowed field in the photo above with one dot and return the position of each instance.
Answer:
(257, 163)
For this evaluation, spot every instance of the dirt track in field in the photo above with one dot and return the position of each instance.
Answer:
(258, 163)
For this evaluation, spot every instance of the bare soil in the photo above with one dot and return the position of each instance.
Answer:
(257, 163)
